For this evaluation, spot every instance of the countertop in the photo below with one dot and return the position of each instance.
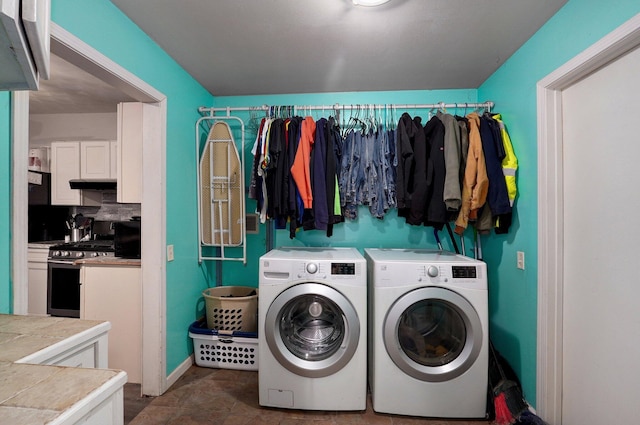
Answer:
(38, 394)
(109, 261)
(43, 244)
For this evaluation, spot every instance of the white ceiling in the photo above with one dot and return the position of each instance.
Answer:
(253, 47)
(72, 90)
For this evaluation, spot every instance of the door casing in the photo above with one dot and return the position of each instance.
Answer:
(153, 206)
(550, 208)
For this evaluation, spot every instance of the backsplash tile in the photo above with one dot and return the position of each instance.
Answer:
(110, 210)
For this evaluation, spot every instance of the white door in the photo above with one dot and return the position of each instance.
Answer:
(601, 318)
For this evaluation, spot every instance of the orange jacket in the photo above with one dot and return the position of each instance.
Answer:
(300, 168)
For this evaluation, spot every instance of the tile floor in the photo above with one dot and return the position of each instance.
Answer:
(230, 397)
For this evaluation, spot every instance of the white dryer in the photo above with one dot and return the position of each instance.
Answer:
(429, 334)
(312, 321)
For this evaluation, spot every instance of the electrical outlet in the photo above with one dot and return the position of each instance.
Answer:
(520, 260)
(169, 252)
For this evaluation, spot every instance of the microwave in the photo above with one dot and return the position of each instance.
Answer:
(39, 188)
(127, 239)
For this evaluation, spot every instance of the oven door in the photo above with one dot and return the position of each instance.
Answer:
(63, 289)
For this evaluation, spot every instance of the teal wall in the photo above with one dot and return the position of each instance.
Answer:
(366, 231)
(513, 292)
(100, 24)
(6, 304)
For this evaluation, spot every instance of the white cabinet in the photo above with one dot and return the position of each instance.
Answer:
(80, 160)
(37, 277)
(113, 154)
(131, 122)
(24, 37)
(114, 293)
(95, 160)
(65, 165)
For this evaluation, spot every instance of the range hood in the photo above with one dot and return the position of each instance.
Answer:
(93, 184)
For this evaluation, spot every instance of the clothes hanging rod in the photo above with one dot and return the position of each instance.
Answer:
(362, 106)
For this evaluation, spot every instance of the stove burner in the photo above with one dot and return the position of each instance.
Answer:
(85, 249)
(98, 245)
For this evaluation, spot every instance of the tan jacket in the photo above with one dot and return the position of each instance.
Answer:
(476, 183)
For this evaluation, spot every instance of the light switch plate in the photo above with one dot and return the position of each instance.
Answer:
(169, 252)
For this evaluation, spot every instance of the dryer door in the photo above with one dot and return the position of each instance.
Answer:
(433, 334)
(312, 329)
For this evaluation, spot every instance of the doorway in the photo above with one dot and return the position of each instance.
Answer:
(153, 205)
(570, 279)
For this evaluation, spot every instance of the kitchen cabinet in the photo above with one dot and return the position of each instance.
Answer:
(131, 119)
(114, 293)
(80, 160)
(24, 37)
(95, 160)
(65, 165)
(37, 279)
(113, 155)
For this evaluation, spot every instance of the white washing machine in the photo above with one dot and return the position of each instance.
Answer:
(429, 333)
(312, 321)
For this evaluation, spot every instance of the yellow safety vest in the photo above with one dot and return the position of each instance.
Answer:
(509, 163)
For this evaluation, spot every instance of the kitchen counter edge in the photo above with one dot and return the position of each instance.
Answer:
(109, 261)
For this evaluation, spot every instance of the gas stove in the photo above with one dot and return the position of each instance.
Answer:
(69, 252)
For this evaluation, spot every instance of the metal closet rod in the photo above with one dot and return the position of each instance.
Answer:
(337, 106)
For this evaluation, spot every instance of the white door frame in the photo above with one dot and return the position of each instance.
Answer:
(550, 208)
(153, 207)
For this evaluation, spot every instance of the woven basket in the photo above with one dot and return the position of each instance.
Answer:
(232, 308)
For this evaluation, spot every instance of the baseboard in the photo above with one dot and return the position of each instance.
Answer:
(179, 371)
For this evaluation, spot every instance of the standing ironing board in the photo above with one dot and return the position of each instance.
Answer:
(221, 203)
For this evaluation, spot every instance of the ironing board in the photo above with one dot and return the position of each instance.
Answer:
(221, 190)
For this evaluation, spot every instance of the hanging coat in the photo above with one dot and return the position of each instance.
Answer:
(300, 170)
(277, 207)
(295, 205)
(436, 172)
(419, 191)
(406, 134)
(319, 177)
(476, 182)
(334, 149)
(452, 196)
(510, 161)
(497, 197)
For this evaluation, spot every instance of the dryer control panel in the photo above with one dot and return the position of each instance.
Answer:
(406, 273)
(463, 272)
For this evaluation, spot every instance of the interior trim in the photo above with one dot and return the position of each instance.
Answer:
(550, 208)
(77, 52)
(20, 200)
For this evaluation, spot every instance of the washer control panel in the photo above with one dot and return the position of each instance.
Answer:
(343, 268)
(335, 269)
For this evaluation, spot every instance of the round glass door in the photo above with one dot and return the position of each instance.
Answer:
(433, 334)
(312, 329)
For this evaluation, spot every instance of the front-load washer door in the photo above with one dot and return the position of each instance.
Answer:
(433, 334)
(312, 330)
